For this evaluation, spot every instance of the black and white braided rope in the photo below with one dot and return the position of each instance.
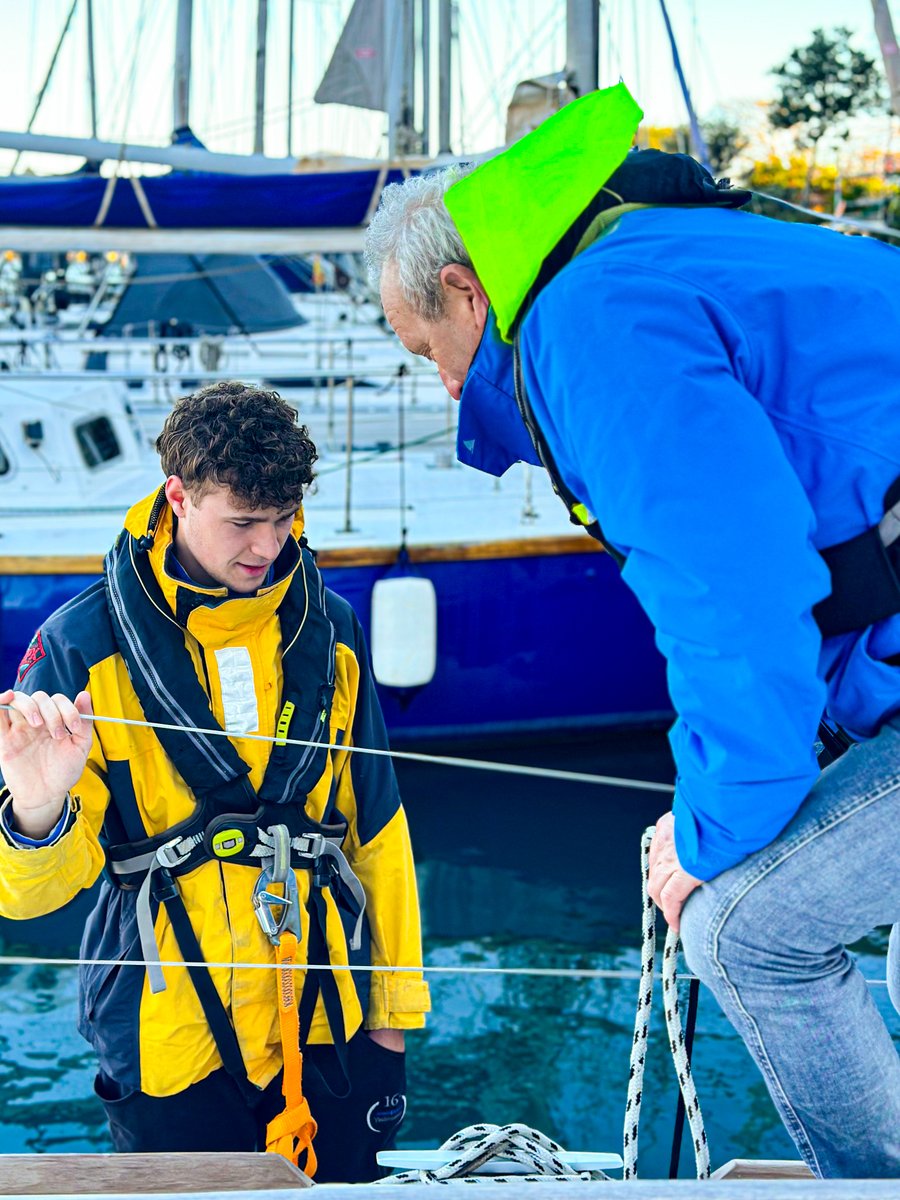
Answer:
(673, 1027)
(479, 1144)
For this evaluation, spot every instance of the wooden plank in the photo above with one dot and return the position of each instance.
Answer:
(775, 1168)
(351, 556)
(144, 1174)
(237, 1184)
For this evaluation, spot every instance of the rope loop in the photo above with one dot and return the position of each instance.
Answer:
(674, 1029)
(477, 1145)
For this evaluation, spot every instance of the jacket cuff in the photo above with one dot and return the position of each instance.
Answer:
(20, 841)
(397, 1001)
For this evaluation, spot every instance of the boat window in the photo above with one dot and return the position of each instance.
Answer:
(97, 441)
(4, 463)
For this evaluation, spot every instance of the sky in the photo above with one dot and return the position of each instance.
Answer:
(727, 48)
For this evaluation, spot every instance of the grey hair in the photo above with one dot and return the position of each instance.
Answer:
(413, 235)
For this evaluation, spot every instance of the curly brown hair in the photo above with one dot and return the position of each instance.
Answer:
(241, 437)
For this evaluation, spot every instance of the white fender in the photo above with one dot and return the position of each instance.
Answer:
(404, 631)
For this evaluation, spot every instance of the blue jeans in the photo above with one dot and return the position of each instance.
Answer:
(768, 938)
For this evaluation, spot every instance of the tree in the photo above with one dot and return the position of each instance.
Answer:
(723, 138)
(724, 142)
(822, 86)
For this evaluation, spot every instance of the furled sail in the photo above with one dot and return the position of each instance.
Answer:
(884, 28)
(358, 71)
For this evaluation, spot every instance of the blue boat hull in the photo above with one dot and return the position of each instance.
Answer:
(532, 645)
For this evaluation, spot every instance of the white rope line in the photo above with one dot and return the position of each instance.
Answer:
(477, 1145)
(629, 973)
(443, 760)
(540, 972)
(673, 1027)
(680, 1059)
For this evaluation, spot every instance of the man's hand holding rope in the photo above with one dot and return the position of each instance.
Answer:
(667, 884)
(44, 745)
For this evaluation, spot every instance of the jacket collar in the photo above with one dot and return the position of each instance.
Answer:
(513, 209)
(210, 612)
(491, 435)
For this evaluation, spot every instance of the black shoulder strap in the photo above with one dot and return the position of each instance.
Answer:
(152, 644)
(579, 514)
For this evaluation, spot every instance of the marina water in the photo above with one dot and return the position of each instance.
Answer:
(513, 872)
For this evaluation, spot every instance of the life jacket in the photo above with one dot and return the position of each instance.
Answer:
(865, 569)
(232, 822)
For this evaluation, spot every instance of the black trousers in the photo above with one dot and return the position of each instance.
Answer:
(213, 1115)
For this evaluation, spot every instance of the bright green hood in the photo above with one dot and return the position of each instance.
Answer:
(513, 209)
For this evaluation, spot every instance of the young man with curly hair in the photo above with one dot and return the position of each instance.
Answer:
(273, 843)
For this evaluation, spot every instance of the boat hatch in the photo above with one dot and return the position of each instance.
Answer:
(97, 441)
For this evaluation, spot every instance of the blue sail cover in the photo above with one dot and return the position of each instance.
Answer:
(195, 200)
(183, 295)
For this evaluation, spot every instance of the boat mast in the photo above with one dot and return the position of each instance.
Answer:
(396, 53)
(445, 44)
(582, 45)
(884, 28)
(426, 75)
(92, 78)
(290, 83)
(262, 16)
(182, 92)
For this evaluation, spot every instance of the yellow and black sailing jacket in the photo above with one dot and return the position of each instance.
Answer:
(245, 653)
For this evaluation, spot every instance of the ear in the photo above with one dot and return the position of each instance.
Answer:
(176, 495)
(461, 283)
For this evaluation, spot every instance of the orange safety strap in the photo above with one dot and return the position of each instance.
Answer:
(292, 1131)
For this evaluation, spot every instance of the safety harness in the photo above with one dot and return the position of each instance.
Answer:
(232, 822)
(865, 570)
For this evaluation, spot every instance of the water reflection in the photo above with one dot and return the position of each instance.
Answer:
(512, 872)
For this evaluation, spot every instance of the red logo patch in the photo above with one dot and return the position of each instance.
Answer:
(33, 654)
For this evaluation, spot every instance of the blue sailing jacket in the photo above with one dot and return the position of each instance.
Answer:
(723, 391)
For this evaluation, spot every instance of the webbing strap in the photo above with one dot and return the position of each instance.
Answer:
(154, 863)
(323, 982)
(350, 880)
(292, 1131)
(865, 583)
(213, 1009)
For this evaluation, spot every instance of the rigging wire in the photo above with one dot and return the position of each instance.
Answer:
(47, 78)
(605, 973)
(479, 126)
(608, 974)
(401, 457)
(635, 33)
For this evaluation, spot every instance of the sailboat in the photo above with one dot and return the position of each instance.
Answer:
(504, 566)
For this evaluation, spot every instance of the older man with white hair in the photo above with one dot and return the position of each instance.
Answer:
(716, 387)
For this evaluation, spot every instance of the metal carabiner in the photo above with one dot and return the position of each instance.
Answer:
(279, 875)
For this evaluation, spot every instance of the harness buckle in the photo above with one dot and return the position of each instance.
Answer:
(169, 855)
(309, 845)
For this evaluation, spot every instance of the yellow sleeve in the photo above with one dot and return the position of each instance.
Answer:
(36, 880)
(379, 851)
(398, 999)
